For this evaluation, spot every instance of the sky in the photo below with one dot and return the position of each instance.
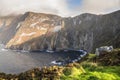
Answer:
(59, 7)
(74, 3)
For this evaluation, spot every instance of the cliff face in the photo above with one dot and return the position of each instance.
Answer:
(6, 20)
(8, 27)
(4, 24)
(35, 25)
(39, 31)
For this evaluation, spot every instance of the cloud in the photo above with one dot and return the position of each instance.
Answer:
(59, 7)
(99, 6)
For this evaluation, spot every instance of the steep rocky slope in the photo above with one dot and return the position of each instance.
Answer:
(34, 25)
(8, 28)
(86, 31)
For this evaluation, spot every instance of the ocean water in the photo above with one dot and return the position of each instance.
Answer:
(17, 62)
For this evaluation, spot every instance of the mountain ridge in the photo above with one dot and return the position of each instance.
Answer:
(79, 32)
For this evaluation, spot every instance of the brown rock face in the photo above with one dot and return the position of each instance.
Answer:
(35, 25)
(38, 31)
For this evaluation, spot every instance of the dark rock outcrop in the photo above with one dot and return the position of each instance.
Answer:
(109, 58)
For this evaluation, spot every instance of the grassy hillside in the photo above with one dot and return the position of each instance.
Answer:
(93, 67)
